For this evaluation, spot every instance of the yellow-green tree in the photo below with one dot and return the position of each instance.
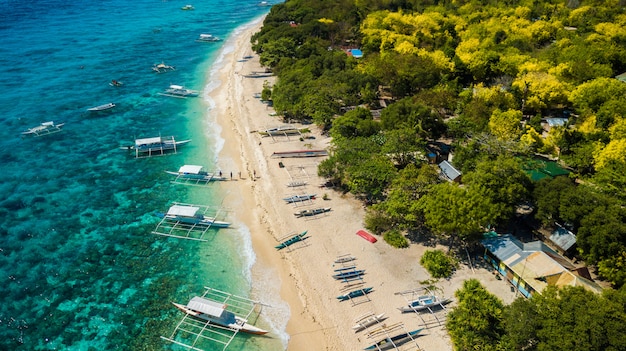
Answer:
(506, 125)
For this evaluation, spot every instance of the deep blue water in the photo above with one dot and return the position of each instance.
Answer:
(79, 267)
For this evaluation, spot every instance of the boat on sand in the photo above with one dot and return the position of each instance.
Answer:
(424, 302)
(393, 342)
(367, 321)
(311, 212)
(354, 293)
(294, 239)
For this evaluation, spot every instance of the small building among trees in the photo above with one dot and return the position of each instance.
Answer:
(531, 267)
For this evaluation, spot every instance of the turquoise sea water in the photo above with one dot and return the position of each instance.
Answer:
(79, 268)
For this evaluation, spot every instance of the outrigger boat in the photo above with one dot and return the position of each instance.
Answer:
(424, 302)
(299, 198)
(345, 258)
(296, 183)
(367, 321)
(162, 67)
(394, 341)
(294, 239)
(179, 91)
(116, 83)
(354, 293)
(299, 153)
(188, 7)
(44, 128)
(208, 38)
(104, 107)
(216, 313)
(349, 274)
(282, 130)
(191, 215)
(147, 147)
(195, 173)
(311, 212)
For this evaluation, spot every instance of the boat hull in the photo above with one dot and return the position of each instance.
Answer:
(367, 236)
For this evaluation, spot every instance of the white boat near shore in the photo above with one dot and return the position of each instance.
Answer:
(179, 91)
(367, 321)
(208, 38)
(216, 313)
(194, 173)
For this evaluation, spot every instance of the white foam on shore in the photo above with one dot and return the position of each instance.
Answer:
(264, 283)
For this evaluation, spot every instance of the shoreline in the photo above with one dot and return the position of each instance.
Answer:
(317, 320)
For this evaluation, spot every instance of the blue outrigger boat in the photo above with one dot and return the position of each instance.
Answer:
(355, 293)
(349, 274)
(294, 239)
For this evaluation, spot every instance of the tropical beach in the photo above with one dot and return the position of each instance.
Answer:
(318, 320)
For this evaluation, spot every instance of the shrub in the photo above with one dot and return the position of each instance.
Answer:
(438, 264)
(396, 239)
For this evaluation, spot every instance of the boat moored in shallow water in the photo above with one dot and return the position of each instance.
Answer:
(44, 128)
(104, 107)
(216, 313)
(191, 215)
(179, 91)
(208, 38)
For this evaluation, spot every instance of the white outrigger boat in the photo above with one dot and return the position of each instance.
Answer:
(162, 67)
(146, 147)
(311, 212)
(424, 302)
(195, 174)
(104, 107)
(299, 198)
(208, 38)
(191, 215)
(44, 128)
(367, 321)
(179, 91)
(216, 313)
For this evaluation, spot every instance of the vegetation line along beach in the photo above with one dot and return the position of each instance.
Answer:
(478, 142)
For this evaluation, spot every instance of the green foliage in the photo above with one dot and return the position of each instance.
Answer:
(502, 182)
(567, 319)
(396, 239)
(377, 222)
(459, 213)
(401, 205)
(438, 264)
(411, 114)
(477, 322)
(266, 93)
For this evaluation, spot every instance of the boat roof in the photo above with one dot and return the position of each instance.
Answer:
(185, 211)
(50, 123)
(206, 306)
(153, 140)
(192, 169)
(173, 86)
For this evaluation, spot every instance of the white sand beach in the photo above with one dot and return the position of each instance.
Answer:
(319, 321)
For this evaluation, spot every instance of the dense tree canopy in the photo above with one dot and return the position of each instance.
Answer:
(482, 75)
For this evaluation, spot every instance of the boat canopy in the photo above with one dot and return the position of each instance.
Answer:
(190, 169)
(147, 141)
(212, 308)
(184, 211)
(46, 124)
(176, 87)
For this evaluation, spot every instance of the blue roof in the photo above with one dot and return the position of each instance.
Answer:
(563, 238)
(503, 246)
